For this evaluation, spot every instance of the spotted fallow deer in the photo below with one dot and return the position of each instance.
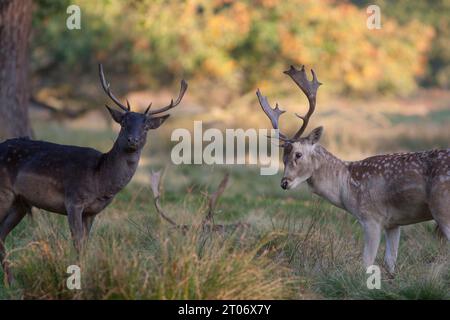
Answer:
(382, 192)
(74, 181)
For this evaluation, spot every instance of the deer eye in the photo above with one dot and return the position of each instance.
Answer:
(298, 155)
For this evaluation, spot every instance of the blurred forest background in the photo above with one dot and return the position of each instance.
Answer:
(237, 45)
(392, 80)
(385, 90)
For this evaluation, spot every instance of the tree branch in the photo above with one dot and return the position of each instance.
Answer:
(59, 113)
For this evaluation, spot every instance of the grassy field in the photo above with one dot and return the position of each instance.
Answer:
(297, 246)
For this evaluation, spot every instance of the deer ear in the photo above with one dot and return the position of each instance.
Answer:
(154, 123)
(116, 115)
(315, 135)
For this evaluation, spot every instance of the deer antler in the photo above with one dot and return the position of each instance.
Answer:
(207, 223)
(272, 113)
(106, 87)
(172, 104)
(214, 197)
(309, 88)
(155, 184)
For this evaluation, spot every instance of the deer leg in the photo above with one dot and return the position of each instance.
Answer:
(392, 242)
(6, 205)
(87, 224)
(439, 203)
(445, 230)
(6, 202)
(443, 224)
(74, 216)
(14, 216)
(372, 237)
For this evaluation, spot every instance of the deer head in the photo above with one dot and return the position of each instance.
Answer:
(134, 125)
(298, 152)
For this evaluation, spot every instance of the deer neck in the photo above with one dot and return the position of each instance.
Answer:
(117, 168)
(330, 178)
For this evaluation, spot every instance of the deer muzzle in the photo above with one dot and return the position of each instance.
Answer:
(284, 183)
(133, 142)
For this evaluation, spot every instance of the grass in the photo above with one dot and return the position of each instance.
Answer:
(297, 246)
(136, 258)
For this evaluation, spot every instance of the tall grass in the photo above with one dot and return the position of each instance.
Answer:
(315, 253)
(158, 264)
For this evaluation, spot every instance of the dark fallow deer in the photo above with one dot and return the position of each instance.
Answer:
(383, 192)
(74, 181)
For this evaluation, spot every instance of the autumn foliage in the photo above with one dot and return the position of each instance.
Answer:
(241, 44)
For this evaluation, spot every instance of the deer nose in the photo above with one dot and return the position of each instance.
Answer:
(284, 183)
(132, 140)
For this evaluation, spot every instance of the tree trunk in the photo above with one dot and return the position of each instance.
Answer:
(15, 27)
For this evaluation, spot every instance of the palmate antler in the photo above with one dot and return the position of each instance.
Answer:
(309, 88)
(107, 89)
(273, 114)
